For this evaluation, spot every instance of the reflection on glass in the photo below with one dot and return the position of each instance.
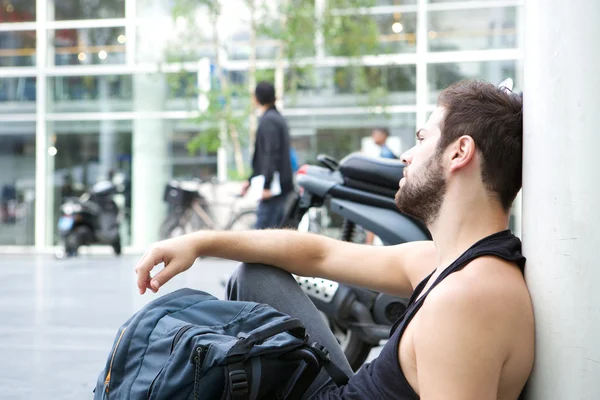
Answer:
(476, 29)
(397, 32)
(17, 95)
(339, 135)
(395, 2)
(17, 49)
(17, 183)
(265, 50)
(17, 11)
(86, 9)
(351, 86)
(86, 152)
(105, 93)
(89, 46)
(441, 76)
(454, 1)
(202, 164)
(90, 93)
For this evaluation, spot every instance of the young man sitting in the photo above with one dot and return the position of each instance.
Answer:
(468, 333)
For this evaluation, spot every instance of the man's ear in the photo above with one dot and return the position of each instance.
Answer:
(462, 152)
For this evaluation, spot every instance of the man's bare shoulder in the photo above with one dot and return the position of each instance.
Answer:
(488, 292)
(484, 281)
(465, 331)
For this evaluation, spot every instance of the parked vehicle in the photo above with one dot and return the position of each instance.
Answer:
(92, 218)
(190, 211)
(360, 189)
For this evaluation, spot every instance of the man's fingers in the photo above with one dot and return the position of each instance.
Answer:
(168, 272)
(145, 265)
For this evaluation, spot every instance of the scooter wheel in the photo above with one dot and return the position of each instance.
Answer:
(117, 247)
(355, 349)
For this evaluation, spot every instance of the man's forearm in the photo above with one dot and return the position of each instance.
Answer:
(296, 252)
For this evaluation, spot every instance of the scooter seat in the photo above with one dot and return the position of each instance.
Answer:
(376, 171)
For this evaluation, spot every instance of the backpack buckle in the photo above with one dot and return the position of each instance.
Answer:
(238, 382)
(321, 351)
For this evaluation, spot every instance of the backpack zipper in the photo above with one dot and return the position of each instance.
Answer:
(112, 359)
(179, 334)
(176, 340)
(198, 360)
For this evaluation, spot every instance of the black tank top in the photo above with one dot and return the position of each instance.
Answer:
(383, 378)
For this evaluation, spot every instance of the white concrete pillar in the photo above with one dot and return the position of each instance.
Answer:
(561, 196)
(108, 134)
(150, 147)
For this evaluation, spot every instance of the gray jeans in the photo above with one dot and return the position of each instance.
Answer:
(277, 288)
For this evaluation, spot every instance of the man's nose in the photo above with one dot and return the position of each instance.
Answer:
(407, 156)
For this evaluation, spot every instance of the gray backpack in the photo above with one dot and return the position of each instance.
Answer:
(190, 345)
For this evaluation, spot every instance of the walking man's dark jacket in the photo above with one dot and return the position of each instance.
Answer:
(272, 150)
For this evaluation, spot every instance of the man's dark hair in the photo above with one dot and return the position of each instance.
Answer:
(493, 117)
(385, 131)
(265, 93)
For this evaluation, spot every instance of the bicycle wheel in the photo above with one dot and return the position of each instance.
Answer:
(170, 227)
(244, 220)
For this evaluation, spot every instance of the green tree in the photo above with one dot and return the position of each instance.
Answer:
(295, 25)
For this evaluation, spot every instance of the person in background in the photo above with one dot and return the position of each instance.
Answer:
(380, 136)
(271, 155)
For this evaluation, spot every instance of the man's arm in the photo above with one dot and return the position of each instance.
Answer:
(459, 343)
(393, 269)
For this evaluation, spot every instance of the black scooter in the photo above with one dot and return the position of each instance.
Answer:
(93, 218)
(361, 190)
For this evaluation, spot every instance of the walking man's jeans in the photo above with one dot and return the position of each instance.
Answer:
(277, 288)
(270, 212)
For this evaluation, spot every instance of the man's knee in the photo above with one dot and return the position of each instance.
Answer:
(248, 278)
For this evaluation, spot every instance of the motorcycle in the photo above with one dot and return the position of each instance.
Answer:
(361, 190)
(92, 218)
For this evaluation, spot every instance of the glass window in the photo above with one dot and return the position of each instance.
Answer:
(17, 48)
(441, 76)
(106, 93)
(17, 95)
(395, 2)
(86, 9)
(84, 152)
(476, 29)
(17, 183)
(454, 1)
(352, 86)
(17, 11)
(339, 135)
(90, 93)
(88, 46)
(265, 50)
(397, 32)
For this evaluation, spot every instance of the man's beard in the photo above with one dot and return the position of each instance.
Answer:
(422, 196)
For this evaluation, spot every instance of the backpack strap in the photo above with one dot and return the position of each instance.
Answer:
(245, 344)
(339, 377)
(237, 380)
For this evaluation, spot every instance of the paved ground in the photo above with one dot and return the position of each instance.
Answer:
(60, 317)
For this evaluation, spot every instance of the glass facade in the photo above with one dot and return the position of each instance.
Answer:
(104, 94)
(17, 183)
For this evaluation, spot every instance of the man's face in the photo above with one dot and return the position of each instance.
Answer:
(423, 186)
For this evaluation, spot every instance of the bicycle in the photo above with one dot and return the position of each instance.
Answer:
(190, 211)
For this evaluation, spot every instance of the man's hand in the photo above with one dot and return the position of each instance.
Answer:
(266, 194)
(178, 255)
(245, 188)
